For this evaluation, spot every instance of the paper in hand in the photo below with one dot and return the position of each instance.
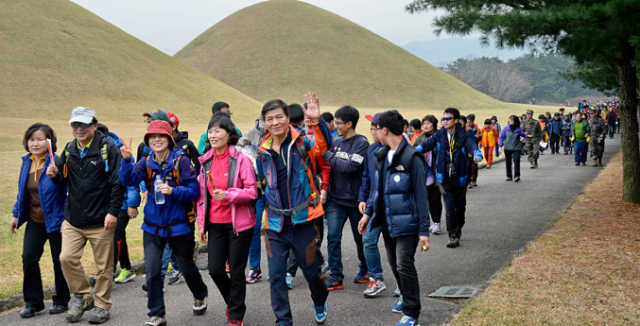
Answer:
(50, 151)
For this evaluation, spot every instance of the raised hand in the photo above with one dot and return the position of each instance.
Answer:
(126, 149)
(313, 107)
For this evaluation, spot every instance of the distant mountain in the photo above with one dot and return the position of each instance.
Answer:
(442, 51)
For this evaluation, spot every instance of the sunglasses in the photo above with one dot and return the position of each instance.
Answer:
(339, 122)
(76, 125)
(447, 118)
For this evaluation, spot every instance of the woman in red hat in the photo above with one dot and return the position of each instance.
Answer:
(175, 181)
(225, 211)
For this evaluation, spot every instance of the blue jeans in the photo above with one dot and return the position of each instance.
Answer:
(167, 255)
(372, 253)
(337, 216)
(580, 153)
(183, 249)
(255, 249)
(301, 241)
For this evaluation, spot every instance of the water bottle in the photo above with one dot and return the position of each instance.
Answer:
(159, 195)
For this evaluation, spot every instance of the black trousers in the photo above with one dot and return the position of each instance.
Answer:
(224, 245)
(512, 156)
(555, 143)
(292, 264)
(35, 237)
(120, 248)
(182, 246)
(434, 196)
(455, 199)
(401, 255)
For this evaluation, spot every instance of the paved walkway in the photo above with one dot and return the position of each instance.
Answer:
(502, 217)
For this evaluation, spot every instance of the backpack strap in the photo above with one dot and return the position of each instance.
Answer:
(176, 170)
(105, 156)
(306, 162)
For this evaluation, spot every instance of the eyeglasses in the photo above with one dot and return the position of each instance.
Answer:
(447, 118)
(339, 122)
(148, 121)
(374, 129)
(76, 125)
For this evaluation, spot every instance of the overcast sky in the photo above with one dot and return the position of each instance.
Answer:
(169, 25)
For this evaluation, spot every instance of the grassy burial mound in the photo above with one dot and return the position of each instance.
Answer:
(283, 48)
(55, 55)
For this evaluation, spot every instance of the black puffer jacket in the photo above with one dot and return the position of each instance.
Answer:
(93, 189)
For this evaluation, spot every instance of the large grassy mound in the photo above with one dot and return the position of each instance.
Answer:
(55, 55)
(282, 48)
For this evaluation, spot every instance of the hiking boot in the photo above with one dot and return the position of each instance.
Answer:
(600, 162)
(334, 284)
(289, 281)
(435, 228)
(532, 165)
(361, 278)
(78, 306)
(397, 292)
(374, 288)
(125, 276)
(408, 321)
(577, 163)
(517, 179)
(156, 321)
(398, 306)
(199, 306)
(453, 242)
(175, 277)
(488, 166)
(98, 316)
(29, 312)
(535, 162)
(255, 274)
(57, 309)
(321, 314)
(584, 163)
(509, 179)
(595, 162)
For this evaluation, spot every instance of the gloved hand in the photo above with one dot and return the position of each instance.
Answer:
(419, 148)
(477, 159)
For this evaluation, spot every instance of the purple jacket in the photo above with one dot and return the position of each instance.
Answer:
(511, 139)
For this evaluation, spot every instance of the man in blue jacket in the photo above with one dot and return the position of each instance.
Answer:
(556, 133)
(395, 208)
(346, 159)
(453, 147)
(370, 240)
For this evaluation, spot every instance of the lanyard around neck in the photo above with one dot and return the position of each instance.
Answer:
(452, 142)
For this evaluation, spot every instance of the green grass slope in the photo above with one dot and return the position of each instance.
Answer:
(283, 48)
(56, 55)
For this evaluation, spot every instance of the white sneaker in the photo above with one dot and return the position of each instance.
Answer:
(435, 228)
(374, 288)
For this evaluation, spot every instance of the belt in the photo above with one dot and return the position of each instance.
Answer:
(293, 211)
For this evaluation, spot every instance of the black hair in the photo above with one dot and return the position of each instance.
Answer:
(487, 121)
(471, 117)
(542, 116)
(296, 114)
(326, 116)
(557, 114)
(393, 121)
(274, 105)
(48, 132)
(218, 106)
(431, 118)
(454, 112)
(103, 129)
(348, 113)
(516, 120)
(223, 121)
(464, 120)
(405, 123)
(416, 124)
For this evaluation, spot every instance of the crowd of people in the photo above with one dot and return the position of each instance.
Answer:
(296, 172)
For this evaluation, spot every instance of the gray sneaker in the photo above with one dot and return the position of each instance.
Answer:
(175, 277)
(78, 306)
(397, 293)
(98, 316)
(156, 321)
(435, 228)
(374, 288)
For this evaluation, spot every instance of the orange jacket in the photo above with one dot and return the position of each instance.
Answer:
(489, 137)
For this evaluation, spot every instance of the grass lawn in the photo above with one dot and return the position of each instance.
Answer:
(584, 271)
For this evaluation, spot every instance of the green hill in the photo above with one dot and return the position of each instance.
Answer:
(284, 48)
(55, 55)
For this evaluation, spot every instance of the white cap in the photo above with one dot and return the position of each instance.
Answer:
(83, 115)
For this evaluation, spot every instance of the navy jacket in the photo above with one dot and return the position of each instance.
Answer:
(52, 196)
(368, 180)
(347, 160)
(465, 144)
(173, 209)
(395, 198)
(556, 127)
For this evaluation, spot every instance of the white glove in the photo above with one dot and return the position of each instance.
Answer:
(477, 159)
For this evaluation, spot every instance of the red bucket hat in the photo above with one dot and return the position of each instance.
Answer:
(159, 127)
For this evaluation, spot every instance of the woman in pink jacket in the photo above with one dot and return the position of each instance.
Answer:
(227, 185)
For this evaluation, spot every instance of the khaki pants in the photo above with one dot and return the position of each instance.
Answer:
(73, 243)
